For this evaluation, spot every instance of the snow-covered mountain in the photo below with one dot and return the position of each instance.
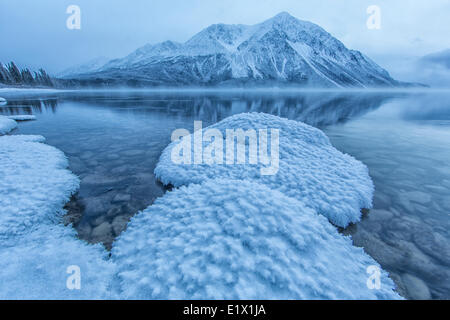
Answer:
(281, 50)
(89, 66)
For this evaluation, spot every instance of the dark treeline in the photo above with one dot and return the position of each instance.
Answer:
(11, 75)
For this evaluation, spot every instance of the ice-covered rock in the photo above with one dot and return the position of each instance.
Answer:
(310, 168)
(228, 239)
(22, 117)
(36, 250)
(35, 184)
(40, 264)
(417, 289)
(6, 125)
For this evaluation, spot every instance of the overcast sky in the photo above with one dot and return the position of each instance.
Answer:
(33, 32)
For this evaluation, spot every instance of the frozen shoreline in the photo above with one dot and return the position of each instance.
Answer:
(29, 90)
(11, 92)
(22, 117)
(36, 250)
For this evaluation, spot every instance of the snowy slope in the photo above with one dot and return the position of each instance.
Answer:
(310, 168)
(89, 66)
(281, 49)
(143, 55)
(229, 239)
(35, 249)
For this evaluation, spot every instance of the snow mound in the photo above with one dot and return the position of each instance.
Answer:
(36, 266)
(228, 239)
(6, 125)
(24, 117)
(35, 250)
(3, 101)
(310, 168)
(34, 184)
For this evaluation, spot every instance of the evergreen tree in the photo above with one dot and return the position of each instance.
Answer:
(45, 78)
(15, 73)
(27, 77)
(11, 75)
(4, 75)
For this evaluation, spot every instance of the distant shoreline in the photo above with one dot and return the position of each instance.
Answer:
(8, 90)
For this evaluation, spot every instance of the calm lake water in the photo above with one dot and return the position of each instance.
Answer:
(113, 141)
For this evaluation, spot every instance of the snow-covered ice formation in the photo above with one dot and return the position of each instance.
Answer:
(228, 239)
(228, 232)
(36, 266)
(35, 249)
(22, 117)
(235, 235)
(35, 182)
(310, 168)
(6, 125)
(3, 101)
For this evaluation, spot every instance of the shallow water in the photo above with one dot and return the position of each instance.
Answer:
(113, 141)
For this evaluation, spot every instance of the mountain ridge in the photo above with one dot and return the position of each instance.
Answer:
(281, 50)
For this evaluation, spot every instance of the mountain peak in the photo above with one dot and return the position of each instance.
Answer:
(283, 15)
(284, 18)
(289, 24)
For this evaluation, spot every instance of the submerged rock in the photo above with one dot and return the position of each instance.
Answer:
(102, 231)
(416, 288)
(380, 215)
(121, 197)
(119, 223)
(434, 245)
